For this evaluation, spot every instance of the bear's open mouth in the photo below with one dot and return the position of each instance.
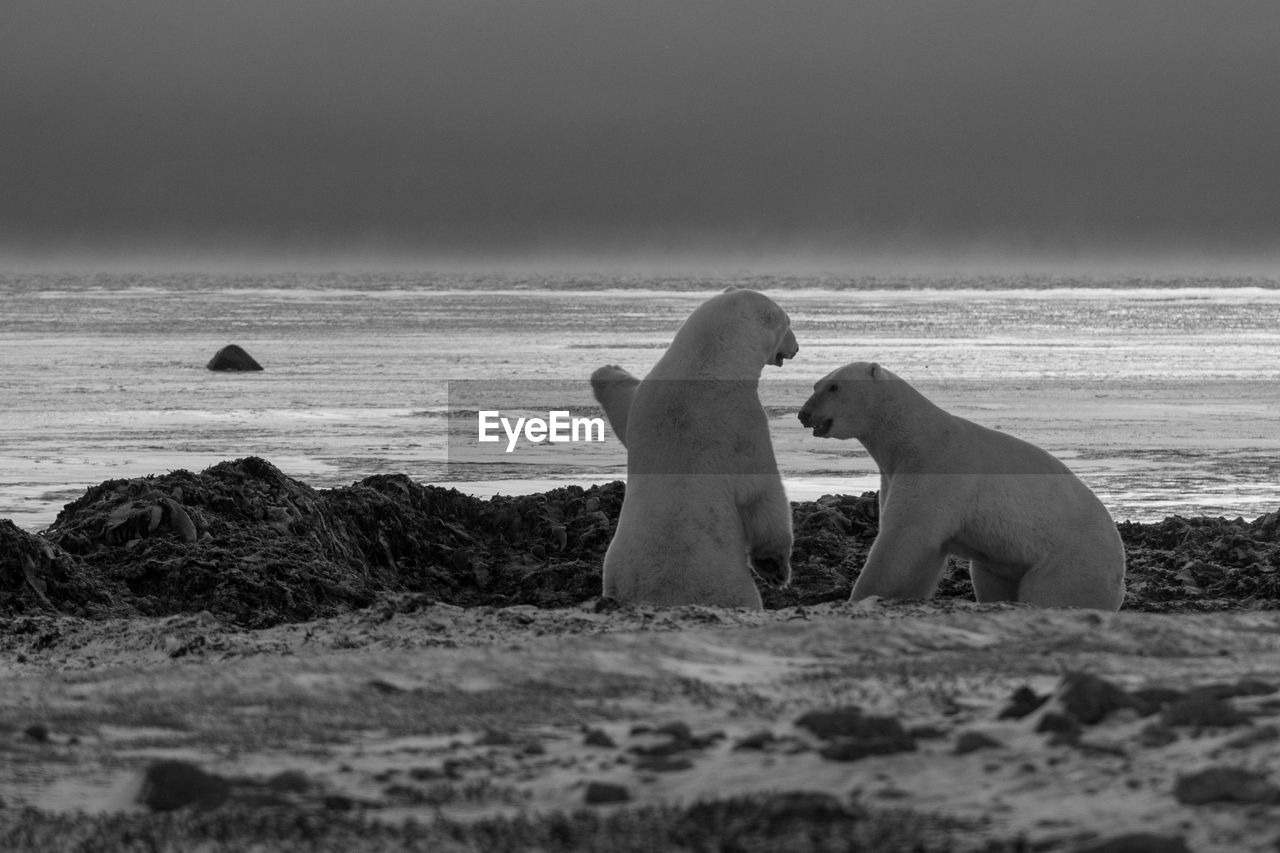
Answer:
(821, 426)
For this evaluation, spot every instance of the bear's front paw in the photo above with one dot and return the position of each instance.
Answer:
(610, 375)
(772, 569)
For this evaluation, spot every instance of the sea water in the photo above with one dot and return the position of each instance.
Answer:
(1163, 393)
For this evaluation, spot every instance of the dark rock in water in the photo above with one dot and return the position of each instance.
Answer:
(37, 732)
(232, 357)
(169, 785)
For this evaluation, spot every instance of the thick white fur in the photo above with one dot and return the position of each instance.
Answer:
(703, 490)
(1031, 530)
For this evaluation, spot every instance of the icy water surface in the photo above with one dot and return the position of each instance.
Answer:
(1162, 394)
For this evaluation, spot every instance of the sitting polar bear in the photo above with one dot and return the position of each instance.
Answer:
(1031, 530)
(703, 490)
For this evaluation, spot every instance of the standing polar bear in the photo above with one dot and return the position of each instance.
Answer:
(703, 491)
(1031, 530)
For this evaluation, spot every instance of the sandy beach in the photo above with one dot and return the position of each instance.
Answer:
(232, 657)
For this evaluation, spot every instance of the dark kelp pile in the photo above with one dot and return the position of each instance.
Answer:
(256, 547)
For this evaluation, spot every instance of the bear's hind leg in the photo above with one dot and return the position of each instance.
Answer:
(992, 583)
(1072, 585)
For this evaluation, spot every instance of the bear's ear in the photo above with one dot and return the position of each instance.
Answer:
(876, 372)
(731, 288)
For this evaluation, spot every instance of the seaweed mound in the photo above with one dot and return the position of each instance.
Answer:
(1203, 563)
(257, 547)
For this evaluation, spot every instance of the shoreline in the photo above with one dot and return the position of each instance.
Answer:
(243, 540)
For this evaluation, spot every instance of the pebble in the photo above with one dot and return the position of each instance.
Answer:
(854, 748)
(598, 737)
(37, 732)
(973, 741)
(1225, 784)
(663, 763)
(1023, 701)
(173, 784)
(605, 792)
(289, 781)
(837, 722)
(1202, 709)
(756, 740)
(1252, 737)
(1138, 842)
(1089, 698)
(1156, 735)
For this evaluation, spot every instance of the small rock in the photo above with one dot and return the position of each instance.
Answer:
(1202, 709)
(1252, 737)
(598, 737)
(494, 737)
(854, 748)
(1023, 701)
(1056, 723)
(756, 740)
(1243, 687)
(338, 802)
(605, 792)
(663, 763)
(420, 774)
(173, 784)
(1089, 698)
(232, 357)
(973, 741)
(1156, 735)
(289, 781)
(37, 732)
(677, 730)
(1225, 784)
(1148, 700)
(1137, 842)
(834, 723)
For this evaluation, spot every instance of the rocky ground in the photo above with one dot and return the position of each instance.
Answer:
(231, 657)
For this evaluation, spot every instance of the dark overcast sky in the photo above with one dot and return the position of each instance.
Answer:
(525, 125)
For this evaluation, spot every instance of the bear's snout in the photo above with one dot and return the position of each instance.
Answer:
(787, 349)
(820, 426)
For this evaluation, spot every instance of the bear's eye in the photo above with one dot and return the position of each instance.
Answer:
(833, 388)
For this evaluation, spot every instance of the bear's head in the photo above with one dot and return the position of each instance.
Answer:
(756, 323)
(846, 402)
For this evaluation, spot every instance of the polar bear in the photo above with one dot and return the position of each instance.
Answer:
(1030, 529)
(704, 501)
